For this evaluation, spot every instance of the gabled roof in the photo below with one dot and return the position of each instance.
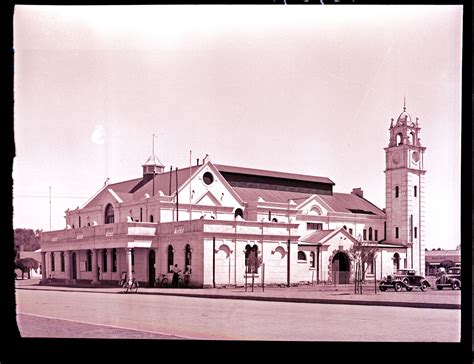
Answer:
(119, 188)
(266, 173)
(162, 182)
(315, 237)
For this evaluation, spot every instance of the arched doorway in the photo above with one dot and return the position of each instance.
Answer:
(396, 262)
(74, 265)
(151, 268)
(340, 268)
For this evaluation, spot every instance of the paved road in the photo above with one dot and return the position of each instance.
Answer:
(225, 319)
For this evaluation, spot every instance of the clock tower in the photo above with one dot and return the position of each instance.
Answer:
(405, 190)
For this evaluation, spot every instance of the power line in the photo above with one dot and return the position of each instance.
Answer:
(47, 196)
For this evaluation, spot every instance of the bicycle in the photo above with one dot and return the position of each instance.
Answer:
(132, 287)
(162, 281)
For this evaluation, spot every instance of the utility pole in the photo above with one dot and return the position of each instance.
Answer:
(49, 208)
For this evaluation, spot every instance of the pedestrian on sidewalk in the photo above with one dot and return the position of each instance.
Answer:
(176, 272)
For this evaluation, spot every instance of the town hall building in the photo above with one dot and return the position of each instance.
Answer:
(223, 225)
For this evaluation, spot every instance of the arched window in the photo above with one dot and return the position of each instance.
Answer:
(151, 218)
(52, 262)
(370, 233)
(170, 258)
(104, 260)
(412, 138)
(315, 210)
(62, 261)
(109, 214)
(239, 212)
(364, 234)
(274, 219)
(312, 259)
(187, 258)
(301, 255)
(89, 261)
(114, 260)
(396, 262)
(399, 139)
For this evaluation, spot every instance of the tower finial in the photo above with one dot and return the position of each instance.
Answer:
(404, 104)
(153, 147)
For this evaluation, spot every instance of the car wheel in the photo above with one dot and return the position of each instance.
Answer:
(439, 287)
(455, 285)
(423, 286)
(398, 287)
(383, 289)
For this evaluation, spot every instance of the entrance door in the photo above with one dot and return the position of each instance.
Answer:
(151, 268)
(74, 266)
(340, 267)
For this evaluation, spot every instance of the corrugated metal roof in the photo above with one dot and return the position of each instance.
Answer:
(266, 173)
(315, 237)
(162, 182)
(252, 194)
(118, 188)
(345, 202)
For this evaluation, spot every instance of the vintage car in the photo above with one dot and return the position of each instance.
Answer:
(451, 278)
(404, 278)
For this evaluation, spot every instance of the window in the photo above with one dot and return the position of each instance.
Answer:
(187, 258)
(151, 218)
(370, 233)
(312, 259)
(274, 219)
(141, 214)
(315, 210)
(396, 233)
(170, 258)
(396, 191)
(251, 261)
(132, 253)
(416, 232)
(399, 139)
(62, 261)
(114, 260)
(376, 235)
(52, 262)
(364, 234)
(79, 221)
(370, 267)
(314, 226)
(104, 260)
(415, 192)
(89, 261)
(208, 178)
(239, 212)
(109, 214)
(301, 255)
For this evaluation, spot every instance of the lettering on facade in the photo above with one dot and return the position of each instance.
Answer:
(54, 239)
(179, 229)
(79, 236)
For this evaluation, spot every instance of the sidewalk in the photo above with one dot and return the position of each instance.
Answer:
(344, 294)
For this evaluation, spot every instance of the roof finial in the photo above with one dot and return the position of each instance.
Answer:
(404, 104)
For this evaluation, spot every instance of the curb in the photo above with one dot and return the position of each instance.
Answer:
(433, 305)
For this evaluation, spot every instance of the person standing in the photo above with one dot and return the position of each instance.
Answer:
(176, 272)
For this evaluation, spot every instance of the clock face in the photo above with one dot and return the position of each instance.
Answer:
(396, 158)
(415, 156)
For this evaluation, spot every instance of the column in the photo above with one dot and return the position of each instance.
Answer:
(43, 267)
(128, 259)
(68, 264)
(109, 263)
(95, 271)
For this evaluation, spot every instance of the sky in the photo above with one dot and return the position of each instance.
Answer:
(302, 89)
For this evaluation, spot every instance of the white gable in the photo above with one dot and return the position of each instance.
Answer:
(313, 206)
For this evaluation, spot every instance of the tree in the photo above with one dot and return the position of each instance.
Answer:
(26, 265)
(363, 255)
(28, 238)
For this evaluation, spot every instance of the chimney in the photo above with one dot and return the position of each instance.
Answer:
(197, 161)
(358, 192)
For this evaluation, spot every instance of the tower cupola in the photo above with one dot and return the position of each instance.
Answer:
(152, 166)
